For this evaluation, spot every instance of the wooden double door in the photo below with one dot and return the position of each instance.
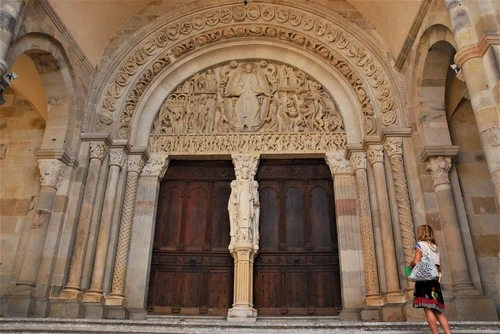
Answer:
(296, 271)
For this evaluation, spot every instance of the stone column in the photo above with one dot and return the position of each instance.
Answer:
(439, 168)
(394, 148)
(469, 304)
(348, 232)
(9, 11)
(95, 293)
(478, 61)
(72, 290)
(244, 211)
(373, 298)
(141, 242)
(376, 158)
(51, 173)
(135, 163)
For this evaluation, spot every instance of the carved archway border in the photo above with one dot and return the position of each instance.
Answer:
(366, 75)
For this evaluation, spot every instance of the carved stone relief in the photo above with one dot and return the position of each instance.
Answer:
(290, 25)
(248, 106)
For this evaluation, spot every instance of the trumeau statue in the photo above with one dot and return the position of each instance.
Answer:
(248, 98)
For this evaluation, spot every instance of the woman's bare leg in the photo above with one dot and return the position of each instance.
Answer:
(431, 320)
(443, 321)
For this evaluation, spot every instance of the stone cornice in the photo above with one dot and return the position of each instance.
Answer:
(477, 50)
(412, 34)
(432, 151)
(56, 154)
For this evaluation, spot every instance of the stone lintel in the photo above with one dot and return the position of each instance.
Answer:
(431, 151)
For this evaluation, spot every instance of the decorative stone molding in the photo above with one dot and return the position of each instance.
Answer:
(156, 166)
(338, 163)
(51, 172)
(440, 170)
(247, 143)
(290, 25)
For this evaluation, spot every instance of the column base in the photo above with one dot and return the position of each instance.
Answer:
(397, 297)
(95, 311)
(93, 297)
(66, 308)
(70, 293)
(371, 314)
(115, 300)
(242, 313)
(374, 301)
(116, 312)
(477, 308)
(392, 312)
(350, 314)
(21, 306)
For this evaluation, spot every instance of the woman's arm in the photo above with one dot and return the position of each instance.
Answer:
(417, 257)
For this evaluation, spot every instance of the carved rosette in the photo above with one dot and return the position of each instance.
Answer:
(51, 172)
(439, 168)
(156, 166)
(375, 154)
(98, 150)
(303, 29)
(394, 148)
(337, 163)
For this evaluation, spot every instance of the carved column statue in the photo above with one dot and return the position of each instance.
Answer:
(95, 293)
(51, 173)
(135, 163)
(376, 158)
(373, 297)
(72, 290)
(244, 211)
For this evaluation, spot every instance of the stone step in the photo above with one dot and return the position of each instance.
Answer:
(171, 325)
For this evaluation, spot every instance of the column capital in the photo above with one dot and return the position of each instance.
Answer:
(375, 154)
(135, 163)
(439, 168)
(51, 172)
(338, 163)
(98, 150)
(394, 146)
(245, 163)
(117, 157)
(156, 165)
(358, 160)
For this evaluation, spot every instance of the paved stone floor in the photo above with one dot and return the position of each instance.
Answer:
(182, 325)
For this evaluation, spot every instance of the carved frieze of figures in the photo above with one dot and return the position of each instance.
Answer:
(250, 97)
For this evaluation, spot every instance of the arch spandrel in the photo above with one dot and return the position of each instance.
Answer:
(327, 41)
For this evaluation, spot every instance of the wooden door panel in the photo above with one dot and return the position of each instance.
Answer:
(191, 268)
(296, 272)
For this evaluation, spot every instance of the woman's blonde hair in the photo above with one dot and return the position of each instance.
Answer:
(426, 233)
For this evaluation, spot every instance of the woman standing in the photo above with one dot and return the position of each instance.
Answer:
(428, 294)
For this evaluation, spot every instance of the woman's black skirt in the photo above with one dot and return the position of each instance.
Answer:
(428, 294)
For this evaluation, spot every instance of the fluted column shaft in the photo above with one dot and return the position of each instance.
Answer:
(95, 293)
(98, 151)
(51, 171)
(373, 297)
(376, 157)
(440, 168)
(476, 58)
(135, 163)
